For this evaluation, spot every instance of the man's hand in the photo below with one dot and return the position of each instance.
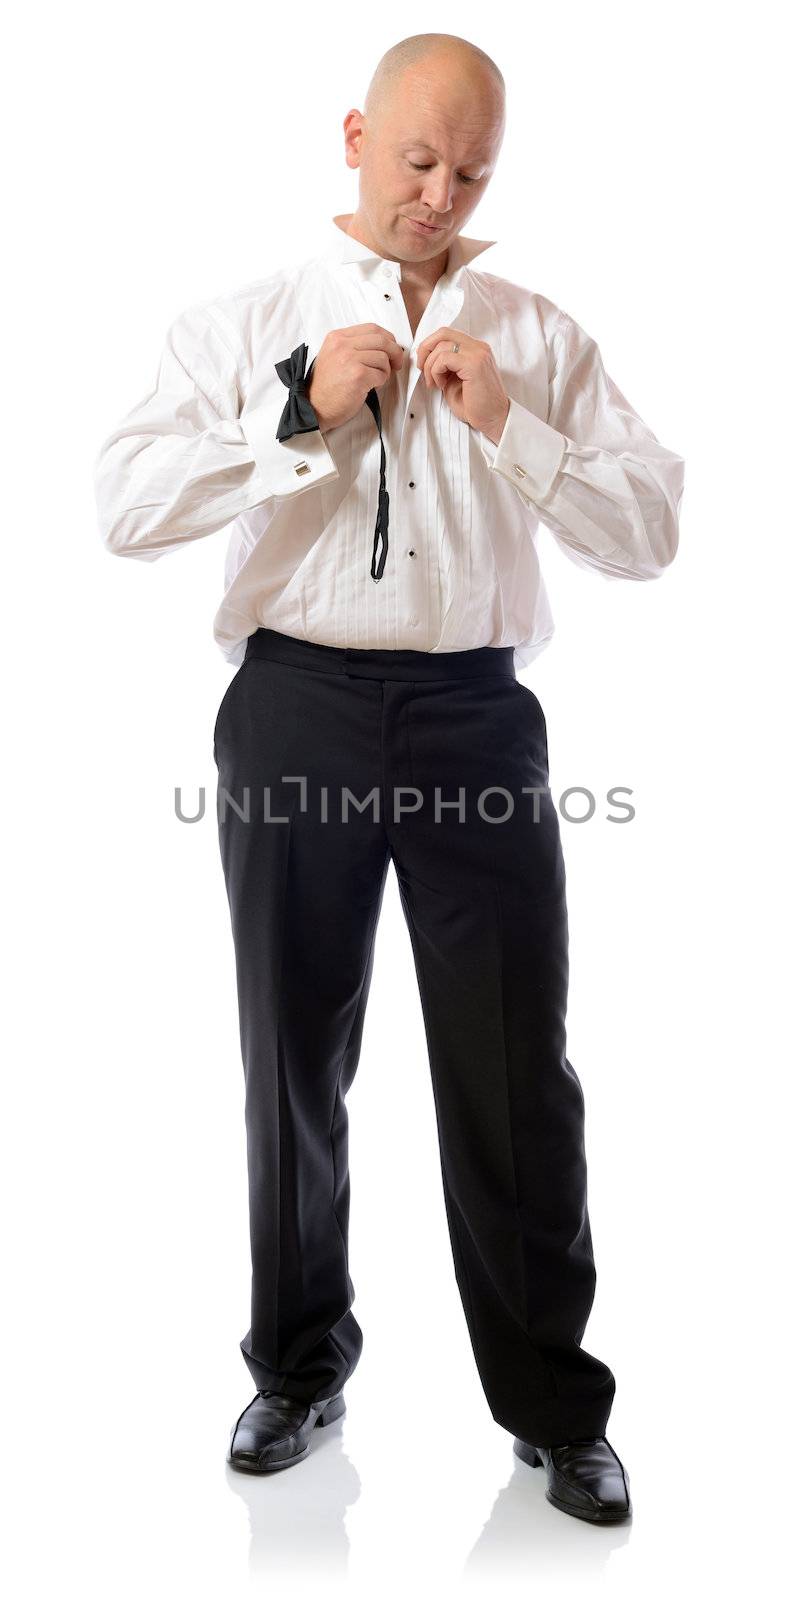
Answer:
(351, 362)
(469, 379)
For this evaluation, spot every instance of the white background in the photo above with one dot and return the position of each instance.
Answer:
(157, 154)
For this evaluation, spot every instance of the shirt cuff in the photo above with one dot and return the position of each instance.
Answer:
(528, 454)
(287, 466)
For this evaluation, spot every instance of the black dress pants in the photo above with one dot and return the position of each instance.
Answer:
(331, 762)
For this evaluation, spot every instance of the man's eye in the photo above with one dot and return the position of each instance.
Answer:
(427, 166)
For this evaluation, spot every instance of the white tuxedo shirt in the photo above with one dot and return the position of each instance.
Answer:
(199, 454)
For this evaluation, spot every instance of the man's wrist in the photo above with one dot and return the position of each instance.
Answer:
(494, 433)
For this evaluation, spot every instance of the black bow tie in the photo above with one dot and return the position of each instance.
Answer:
(299, 416)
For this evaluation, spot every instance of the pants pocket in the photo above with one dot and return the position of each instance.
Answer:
(540, 716)
(218, 721)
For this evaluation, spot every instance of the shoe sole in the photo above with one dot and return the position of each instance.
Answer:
(604, 1513)
(335, 1410)
(528, 1453)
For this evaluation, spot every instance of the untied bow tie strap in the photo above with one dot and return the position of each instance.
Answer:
(299, 416)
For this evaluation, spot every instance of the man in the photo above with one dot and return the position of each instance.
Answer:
(377, 714)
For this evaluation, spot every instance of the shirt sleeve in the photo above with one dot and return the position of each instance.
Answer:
(184, 462)
(594, 473)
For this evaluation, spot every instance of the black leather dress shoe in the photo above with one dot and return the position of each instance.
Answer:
(275, 1430)
(584, 1478)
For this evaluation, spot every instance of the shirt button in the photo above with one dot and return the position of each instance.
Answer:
(412, 413)
(412, 552)
(411, 484)
(388, 297)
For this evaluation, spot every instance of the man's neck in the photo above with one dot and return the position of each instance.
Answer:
(416, 276)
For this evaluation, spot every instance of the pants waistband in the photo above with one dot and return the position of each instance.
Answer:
(484, 661)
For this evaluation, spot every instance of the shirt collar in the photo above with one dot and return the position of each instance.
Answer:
(340, 248)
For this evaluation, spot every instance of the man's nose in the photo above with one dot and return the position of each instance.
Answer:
(438, 199)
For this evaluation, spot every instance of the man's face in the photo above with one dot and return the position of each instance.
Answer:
(428, 161)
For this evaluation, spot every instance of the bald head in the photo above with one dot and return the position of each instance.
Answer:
(425, 145)
(440, 57)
